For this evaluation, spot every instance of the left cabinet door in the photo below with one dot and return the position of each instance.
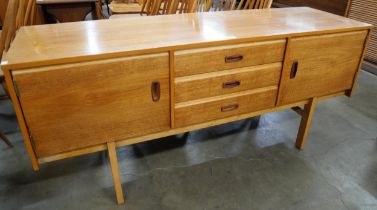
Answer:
(72, 106)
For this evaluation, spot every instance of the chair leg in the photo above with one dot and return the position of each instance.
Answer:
(108, 8)
(3, 84)
(5, 139)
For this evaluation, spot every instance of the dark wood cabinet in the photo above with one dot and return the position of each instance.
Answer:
(338, 7)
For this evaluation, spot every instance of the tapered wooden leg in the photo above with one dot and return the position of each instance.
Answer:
(5, 139)
(306, 120)
(115, 170)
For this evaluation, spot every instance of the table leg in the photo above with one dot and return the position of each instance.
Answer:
(5, 139)
(306, 120)
(115, 171)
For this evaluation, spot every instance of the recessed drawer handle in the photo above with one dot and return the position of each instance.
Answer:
(231, 84)
(294, 69)
(155, 89)
(233, 58)
(229, 108)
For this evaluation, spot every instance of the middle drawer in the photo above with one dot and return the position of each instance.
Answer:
(225, 82)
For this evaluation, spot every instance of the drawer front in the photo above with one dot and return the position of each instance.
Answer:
(197, 61)
(225, 82)
(67, 107)
(205, 110)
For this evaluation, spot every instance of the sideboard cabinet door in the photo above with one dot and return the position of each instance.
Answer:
(321, 65)
(77, 105)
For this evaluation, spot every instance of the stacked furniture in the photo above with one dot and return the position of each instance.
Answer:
(116, 83)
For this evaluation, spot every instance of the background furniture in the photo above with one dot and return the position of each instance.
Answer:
(161, 7)
(3, 8)
(339, 7)
(186, 73)
(69, 10)
(125, 6)
(223, 5)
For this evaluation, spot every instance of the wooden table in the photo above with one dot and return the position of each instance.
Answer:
(67, 10)
(106, 87)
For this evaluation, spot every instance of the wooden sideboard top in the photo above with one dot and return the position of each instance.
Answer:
(83, 41)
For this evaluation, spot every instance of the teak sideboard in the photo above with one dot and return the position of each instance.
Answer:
(85, 87)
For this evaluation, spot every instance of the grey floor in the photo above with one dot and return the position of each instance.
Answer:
(231, 166)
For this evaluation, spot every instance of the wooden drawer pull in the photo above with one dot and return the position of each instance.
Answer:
(229, 108)
(155, 89)
(233, 58)
(294, 69)
(231, 84)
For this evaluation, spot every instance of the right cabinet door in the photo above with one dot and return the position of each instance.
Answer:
(320, 65)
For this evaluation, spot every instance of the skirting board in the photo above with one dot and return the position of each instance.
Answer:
(369, 67)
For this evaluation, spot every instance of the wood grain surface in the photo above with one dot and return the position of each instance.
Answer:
(73, 106)
(207, 109)
(202, 60)
(228, 81)
(326, 64)
(82, 41)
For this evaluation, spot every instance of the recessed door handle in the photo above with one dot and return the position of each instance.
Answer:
(229, 108)
(156, 91)
(294, 69)
(231, 84)
(233, 58)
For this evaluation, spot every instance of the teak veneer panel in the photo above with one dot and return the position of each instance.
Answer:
(203, 60)
(204, 110)
(212, 84)
(326, 64)
(85, 87)
(82, 41)
(74, 106)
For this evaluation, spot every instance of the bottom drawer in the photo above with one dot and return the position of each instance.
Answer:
(204, 110)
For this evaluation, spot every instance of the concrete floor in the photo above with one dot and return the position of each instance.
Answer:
(226, 167)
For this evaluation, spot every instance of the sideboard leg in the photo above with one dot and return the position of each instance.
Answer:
(115, 171)
(306, 120)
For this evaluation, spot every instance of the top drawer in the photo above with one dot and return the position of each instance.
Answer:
(197, 61)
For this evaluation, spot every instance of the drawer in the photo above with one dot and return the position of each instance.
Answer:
(203, 60)
(225, 82)
(204, 110)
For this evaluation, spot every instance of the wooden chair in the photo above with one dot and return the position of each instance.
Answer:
(223, 5)
(19, 13)
(163, 7)
(125, 6)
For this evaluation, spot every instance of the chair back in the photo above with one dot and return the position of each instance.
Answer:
(223, 5)
(19, 13)
(163, 7)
